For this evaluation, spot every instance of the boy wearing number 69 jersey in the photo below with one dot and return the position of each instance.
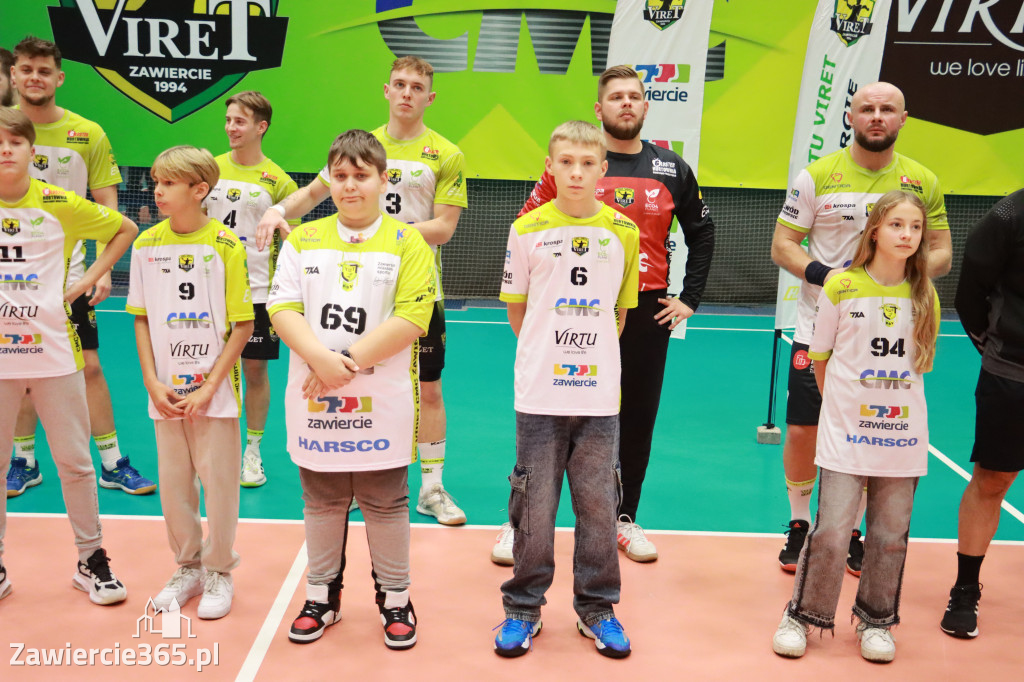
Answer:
(189, 292)
(351, 295)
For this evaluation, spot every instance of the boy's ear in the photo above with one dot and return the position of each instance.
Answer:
(384, 181)
(200, 190)
(604, 167)
(547, 164)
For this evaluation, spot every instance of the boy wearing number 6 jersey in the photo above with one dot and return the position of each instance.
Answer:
(189, 292)
(351, 295)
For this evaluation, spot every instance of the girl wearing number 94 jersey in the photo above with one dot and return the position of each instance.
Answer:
(874, 338)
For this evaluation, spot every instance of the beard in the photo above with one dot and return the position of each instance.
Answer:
(624, 131)
(875, 145)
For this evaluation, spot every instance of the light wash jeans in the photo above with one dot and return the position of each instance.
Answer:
(819, 573)
(547, 447)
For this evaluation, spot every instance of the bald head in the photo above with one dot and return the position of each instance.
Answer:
(877, 113)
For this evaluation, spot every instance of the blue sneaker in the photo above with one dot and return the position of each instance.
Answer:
(515, 637)
(609, 636)
(127, 478)
(21, 476)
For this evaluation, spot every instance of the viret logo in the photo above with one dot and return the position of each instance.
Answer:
(169, 56)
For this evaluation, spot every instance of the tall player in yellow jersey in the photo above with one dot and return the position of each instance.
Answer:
(427, 189)
(74, 153)
(249, 184)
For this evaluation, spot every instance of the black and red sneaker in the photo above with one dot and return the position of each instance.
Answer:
(399, 621)
(323, 608)
(795, 537)
(855, 556)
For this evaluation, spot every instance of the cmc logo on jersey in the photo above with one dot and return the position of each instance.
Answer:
(871, 378)
(19, 282)
(314, 445)
(580, 307)
(189, 320)
(172, 58)
(333, 404)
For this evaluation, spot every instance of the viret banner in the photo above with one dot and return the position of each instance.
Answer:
(666, 41)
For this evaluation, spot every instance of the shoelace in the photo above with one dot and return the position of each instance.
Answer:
(517, 629)
(313, 609)
(99, 565)
(398, 614)
(506, 532)
(216, 583)
(251, 464)
(963, 599)
(179, 578)
(612, 626)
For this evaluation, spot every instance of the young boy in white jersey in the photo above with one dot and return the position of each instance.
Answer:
(189, 292)
(74, 153)
(39, 349)
(571, 264)
(249, 184)
(352, 294)
(427, 190)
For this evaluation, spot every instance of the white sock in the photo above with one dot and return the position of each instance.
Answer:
(253, 439)
(25, 446)
(109, 450)
(432, 463)
(861, 508)
(800, 499)
(396, 600)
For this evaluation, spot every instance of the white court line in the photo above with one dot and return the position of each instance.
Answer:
(1010, 509)
(258, 652)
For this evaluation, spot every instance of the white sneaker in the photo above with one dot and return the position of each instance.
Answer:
(634, 542)
(790, 639)
(876, 643)
(438, 503)
(95, 578)
(501, 554)
(183, 585)
(217, 593)
(353, 505)
(252, 470)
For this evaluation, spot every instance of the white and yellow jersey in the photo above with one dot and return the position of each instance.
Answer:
(831, 200)
(191, 287)
(874, 419)
(573, 273)
(239, 199)
(74, 153)
(345, 284)
(421, 172)
(37, 238)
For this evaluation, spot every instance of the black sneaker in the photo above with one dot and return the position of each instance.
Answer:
(790, 554)
(316, 616)
(855, 557)
(961, 617)
(399, 625)
(95, 577)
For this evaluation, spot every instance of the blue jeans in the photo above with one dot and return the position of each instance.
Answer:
(547, 447)
(819, 573)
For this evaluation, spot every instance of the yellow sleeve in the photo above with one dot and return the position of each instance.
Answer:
(415, 292)
(103, 170)
(88, 220)
(451, 182)
(237, 296)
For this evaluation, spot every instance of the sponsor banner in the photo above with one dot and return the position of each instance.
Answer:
(844, 51)
(666, 41)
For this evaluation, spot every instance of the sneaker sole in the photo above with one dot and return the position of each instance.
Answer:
(31, 484)
(309, 637)
(110, 485)
(960, 634)
(855, 574)
(182, 599)
(788, 651)
(601, 648)
(639, 558)
(212, 615)
(82, 583)
(456, 521)
(252, 484)
(878, 657)
(5, 588)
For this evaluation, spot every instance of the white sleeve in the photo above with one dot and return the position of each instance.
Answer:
(515, 280)
(136, 300)
(286, 287)
(799, 209)
(826, 326)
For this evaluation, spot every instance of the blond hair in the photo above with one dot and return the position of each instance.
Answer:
(922, 292)
(256, 103)
(416, 65)
(613, 72)
(15, 122)
(578, 132)
(185, 163)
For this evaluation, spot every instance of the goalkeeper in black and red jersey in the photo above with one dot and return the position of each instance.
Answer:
(651, 186)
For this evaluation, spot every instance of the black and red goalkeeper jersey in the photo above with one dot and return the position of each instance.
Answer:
(650, 188)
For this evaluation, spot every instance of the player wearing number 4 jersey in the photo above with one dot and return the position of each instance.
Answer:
(249, 184)
(426, 188)
(73, 153)
(828, 204)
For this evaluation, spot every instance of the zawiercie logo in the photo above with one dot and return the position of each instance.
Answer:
(663, 13)
(170, 56)
(852, 19)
